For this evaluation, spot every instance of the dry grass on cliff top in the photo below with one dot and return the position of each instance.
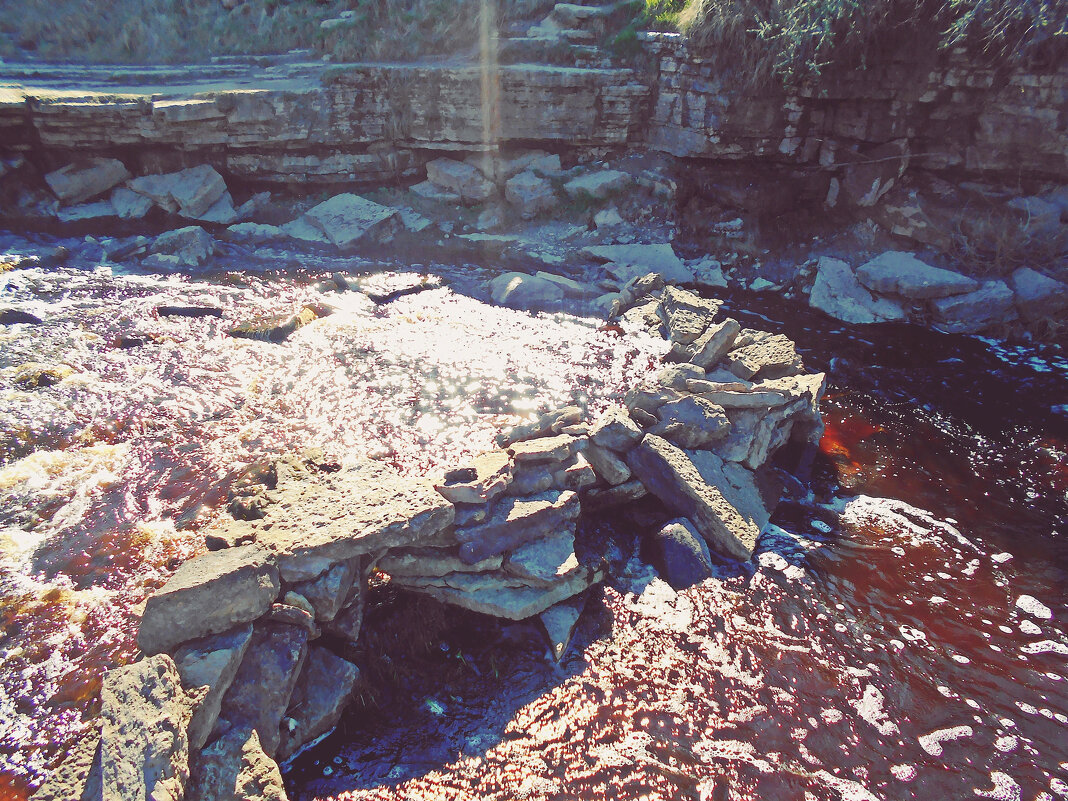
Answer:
(796, 39)
(190, 31)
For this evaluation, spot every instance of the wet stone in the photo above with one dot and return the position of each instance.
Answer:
(211, 662)
(323, 690)
(235, 768)
(260, 692)
(681, 554)
(670, 473)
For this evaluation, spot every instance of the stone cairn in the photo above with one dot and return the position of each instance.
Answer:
(234, 677)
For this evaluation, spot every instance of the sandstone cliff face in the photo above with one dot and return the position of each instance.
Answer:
(376, 122)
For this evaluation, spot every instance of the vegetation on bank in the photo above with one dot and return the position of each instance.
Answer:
(764, 39)
(794, 39)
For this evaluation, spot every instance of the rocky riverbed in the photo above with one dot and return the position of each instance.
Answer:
(116, 510)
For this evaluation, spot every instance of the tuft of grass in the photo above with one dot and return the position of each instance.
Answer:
(995, 243)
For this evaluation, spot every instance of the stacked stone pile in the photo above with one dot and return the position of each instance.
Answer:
(245, 645)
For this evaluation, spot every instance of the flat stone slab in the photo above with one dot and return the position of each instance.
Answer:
(503, 596)
(774, 354)
(324, 689)
(317, 519)
(515, 521)
(545, 561)
(208, 595)
(650, 258)
(347, 218)
(903, 274)
(671, 474)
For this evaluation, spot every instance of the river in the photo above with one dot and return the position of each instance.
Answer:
(900, 633)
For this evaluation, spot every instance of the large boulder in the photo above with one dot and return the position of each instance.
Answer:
(771, 357)
(192, 245)
(680, 554)
(465, 180)
(77, 777)
(837, 292)
(598, 185)
(671, 474)
(209, 594)
(144, 746)
(898, 273)
(530, 194)
(522, 291)
(615, 430)
(189, 192)
(644, 259)
(81, 181)
(235, 768)
(1038, 295)
(972, 312)
(263, 686)
(324, 689)
(346, 219)
(327, 593)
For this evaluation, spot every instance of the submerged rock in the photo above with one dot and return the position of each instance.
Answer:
(279, 327)
(522, 291)
(34, 375)
(18, 317)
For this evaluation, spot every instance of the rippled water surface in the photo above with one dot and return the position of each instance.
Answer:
(900, 634)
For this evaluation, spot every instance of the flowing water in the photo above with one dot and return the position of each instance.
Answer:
(901, 632)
